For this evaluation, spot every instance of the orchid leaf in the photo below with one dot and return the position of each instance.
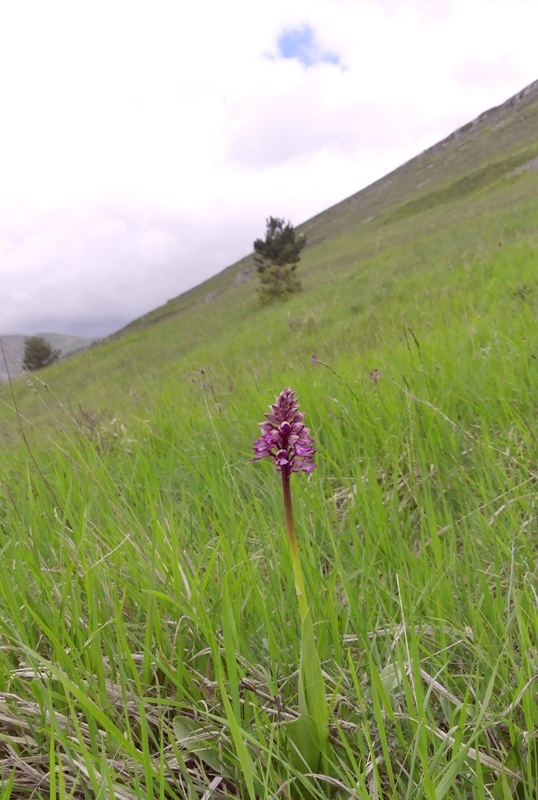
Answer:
(312, 699)
(304, 741)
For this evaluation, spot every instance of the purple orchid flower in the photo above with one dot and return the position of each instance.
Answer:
(285, 438)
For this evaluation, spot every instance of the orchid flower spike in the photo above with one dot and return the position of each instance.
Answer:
(285, 438)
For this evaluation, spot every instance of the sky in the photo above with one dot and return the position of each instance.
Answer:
(143, 143)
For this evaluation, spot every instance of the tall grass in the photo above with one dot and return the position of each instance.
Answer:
(149, 644)
(149, 641)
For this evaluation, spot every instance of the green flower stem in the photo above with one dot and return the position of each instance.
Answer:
(295, 556)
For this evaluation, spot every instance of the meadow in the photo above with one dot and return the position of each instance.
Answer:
(149, 632)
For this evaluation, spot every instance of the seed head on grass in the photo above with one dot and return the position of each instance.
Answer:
(285, 438)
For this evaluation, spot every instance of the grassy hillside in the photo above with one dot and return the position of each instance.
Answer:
(150, 640)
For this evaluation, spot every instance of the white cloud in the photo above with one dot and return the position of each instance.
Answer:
(143, 143)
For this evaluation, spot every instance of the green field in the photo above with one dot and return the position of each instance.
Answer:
(149, 631)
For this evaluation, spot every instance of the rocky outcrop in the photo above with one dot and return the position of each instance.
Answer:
(492, 115)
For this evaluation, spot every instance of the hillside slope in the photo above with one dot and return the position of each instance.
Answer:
(151, 638)
(499, 143)
(467, 193)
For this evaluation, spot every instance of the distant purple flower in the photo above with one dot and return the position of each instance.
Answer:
(285, 438)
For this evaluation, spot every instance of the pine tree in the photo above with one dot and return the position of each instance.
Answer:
(38, 353)
(276, 258)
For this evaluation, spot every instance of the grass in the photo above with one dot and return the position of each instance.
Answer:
(149, 640)
(469, 184)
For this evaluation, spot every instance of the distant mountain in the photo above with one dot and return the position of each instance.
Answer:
(13, 346)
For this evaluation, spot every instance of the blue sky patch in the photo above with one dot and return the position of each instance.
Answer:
(301, 44)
